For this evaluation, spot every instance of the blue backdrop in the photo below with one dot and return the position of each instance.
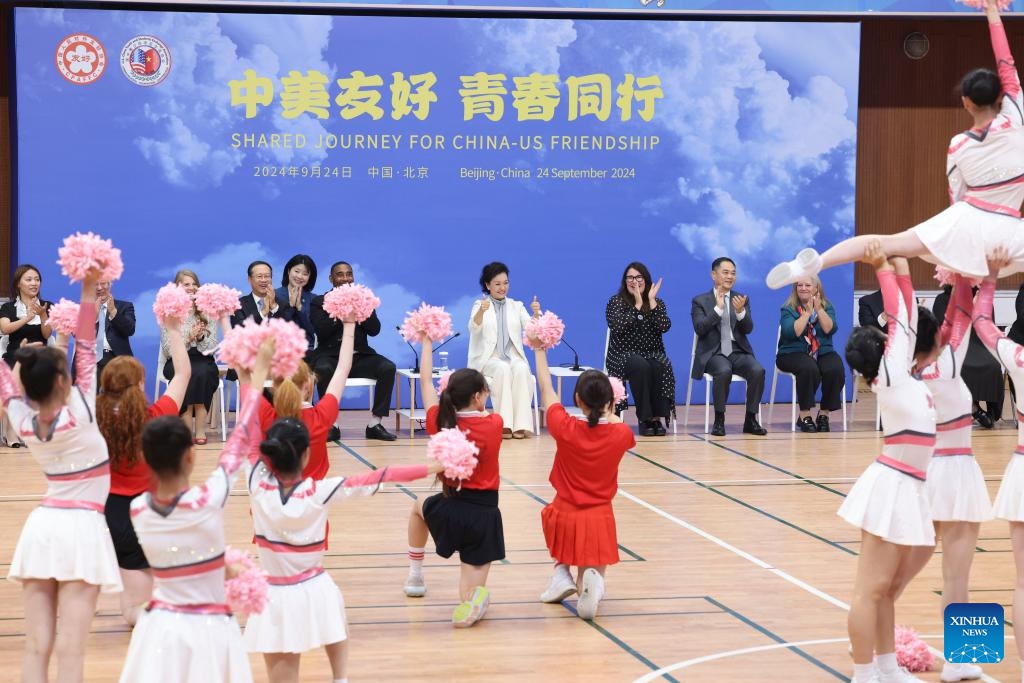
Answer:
(739, 139)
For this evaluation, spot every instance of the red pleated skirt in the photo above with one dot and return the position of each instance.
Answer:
(580, 536)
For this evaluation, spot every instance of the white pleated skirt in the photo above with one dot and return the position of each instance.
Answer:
(66, 545)
(890, 505)
(172, 647)
(298, 618)
(962, 236)
(1009, 503)
(956, 490)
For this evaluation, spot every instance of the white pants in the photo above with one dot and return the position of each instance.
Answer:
(511, 392)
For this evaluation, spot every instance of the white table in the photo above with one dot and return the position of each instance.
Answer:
(413, 413)
(561, 373)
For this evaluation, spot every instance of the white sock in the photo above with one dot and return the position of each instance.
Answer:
(563, 569)
(374, 421)
(887, 663)
(340, 680)
(416, 561)
(864, 672)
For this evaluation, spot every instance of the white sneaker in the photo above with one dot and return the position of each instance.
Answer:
(959, 672)
(807, 262)
(415, 586)
(873, 679)
(559, 588)
(590, 598)
(901, 675)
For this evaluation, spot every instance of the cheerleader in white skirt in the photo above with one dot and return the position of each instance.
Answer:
(955, 486)
(1009, 503)
(64, 556)
(187, 632)
(985, 168)
(888, 501)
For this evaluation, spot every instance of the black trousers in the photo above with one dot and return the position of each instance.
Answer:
(645, 377)
(825, 371)
(364, 365)
(739, 363)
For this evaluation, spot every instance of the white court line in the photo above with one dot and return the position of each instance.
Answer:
(760, 563)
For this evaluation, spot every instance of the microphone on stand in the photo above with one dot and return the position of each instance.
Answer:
(575, 357)
(416, 367)
(457, 334)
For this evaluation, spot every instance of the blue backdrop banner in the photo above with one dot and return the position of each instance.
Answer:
(420, 149)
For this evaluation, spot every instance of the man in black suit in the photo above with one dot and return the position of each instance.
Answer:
(871, 311)
(722, 321)
(366, 362)
(115, 323)
(262, 302)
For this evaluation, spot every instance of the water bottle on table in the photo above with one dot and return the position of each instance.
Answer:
(442, 361)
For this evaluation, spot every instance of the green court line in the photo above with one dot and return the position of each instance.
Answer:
(745, 504)
(777, 638)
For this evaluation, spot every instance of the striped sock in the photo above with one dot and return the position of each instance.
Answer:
(416, 561)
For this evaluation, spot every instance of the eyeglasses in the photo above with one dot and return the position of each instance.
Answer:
(634, 278)
(263, 278)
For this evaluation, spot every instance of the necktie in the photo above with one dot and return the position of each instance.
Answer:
(726, 328)
(260, 305)
(101, 333)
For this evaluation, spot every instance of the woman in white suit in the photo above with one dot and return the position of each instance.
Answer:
(496, 349)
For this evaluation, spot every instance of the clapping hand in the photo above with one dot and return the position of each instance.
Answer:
(36, 308)
(739, 302)
(653, 294)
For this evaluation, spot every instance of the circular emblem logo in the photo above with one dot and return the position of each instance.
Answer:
(145, 60)
(81, 59)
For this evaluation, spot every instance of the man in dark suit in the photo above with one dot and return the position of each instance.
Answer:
(115, 323)
(722, 321)
(262, 302)
(366, 362)
(871, 312)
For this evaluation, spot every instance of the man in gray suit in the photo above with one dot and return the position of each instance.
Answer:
(722, 321)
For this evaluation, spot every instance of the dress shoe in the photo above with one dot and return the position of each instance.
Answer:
(659, 428)
(751, 426)
(822, 424)
(647, 429)
(718, 429)
(334, 434)
(378, 432)
(806, 424)
(983, 419)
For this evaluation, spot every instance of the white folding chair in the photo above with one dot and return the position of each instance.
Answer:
(858, 381)
(707, 391)
(793, 409)
(359, 382)
(218, 408)
(672, 415)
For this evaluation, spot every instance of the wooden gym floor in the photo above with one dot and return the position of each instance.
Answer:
(734, 565)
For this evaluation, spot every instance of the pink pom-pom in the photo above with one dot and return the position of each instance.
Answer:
(432, 321)
(64, 316)
(944, 276)
(451, 448)
(215, 301)
(442, 382)
(84, 252)
(544, 332)
(241, 343)
(350, 301)
(245, 585)
(1003, 5)
(618, 389)
(171, 301)
(912, 653)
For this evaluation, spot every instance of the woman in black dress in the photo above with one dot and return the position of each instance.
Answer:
(637, 319)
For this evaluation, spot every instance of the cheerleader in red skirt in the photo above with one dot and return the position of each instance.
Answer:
(579, 524)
